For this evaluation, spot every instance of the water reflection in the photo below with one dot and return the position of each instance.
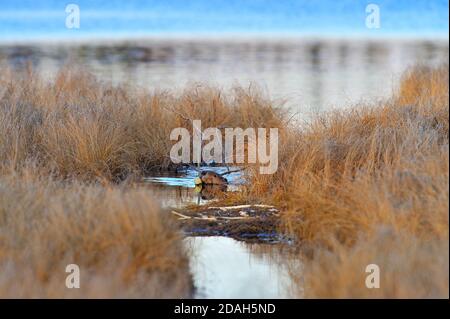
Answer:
(313, 75)
(209, 192)
(224, 268)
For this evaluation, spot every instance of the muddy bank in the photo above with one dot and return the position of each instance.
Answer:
(250, 223)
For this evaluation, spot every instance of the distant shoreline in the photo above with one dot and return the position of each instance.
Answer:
(220, 37)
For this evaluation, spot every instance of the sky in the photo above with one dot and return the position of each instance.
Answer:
(47, 19)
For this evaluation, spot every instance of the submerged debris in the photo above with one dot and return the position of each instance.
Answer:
(241, 222)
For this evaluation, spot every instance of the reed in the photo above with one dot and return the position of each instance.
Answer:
(124, 245)
(363, 185)
(79, 127)
(352, 176)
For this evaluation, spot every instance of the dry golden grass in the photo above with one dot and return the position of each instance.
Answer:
(79, 127)
(62, 143)
(352, 176)
(122, 243)
(361, 186)
(409, 268)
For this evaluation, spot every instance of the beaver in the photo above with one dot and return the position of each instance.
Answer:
(210, 178)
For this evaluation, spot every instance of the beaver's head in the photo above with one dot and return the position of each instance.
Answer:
(210, 178)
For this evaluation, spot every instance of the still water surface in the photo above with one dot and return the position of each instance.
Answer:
(225, 268)
(309, 75)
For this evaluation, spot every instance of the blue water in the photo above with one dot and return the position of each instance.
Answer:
(186, 177)
(32, 19)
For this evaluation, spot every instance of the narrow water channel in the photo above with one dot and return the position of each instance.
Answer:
(225, 268)
(222, 267)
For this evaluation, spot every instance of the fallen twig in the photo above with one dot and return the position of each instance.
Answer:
(225, 208)
(182, 217)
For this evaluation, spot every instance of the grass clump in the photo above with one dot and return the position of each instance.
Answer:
(371, 185)
(123, 244)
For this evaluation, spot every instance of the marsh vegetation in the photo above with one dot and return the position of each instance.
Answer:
(369, 184)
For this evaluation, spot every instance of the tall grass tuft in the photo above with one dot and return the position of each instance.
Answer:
(123, 244)
(353, 176)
